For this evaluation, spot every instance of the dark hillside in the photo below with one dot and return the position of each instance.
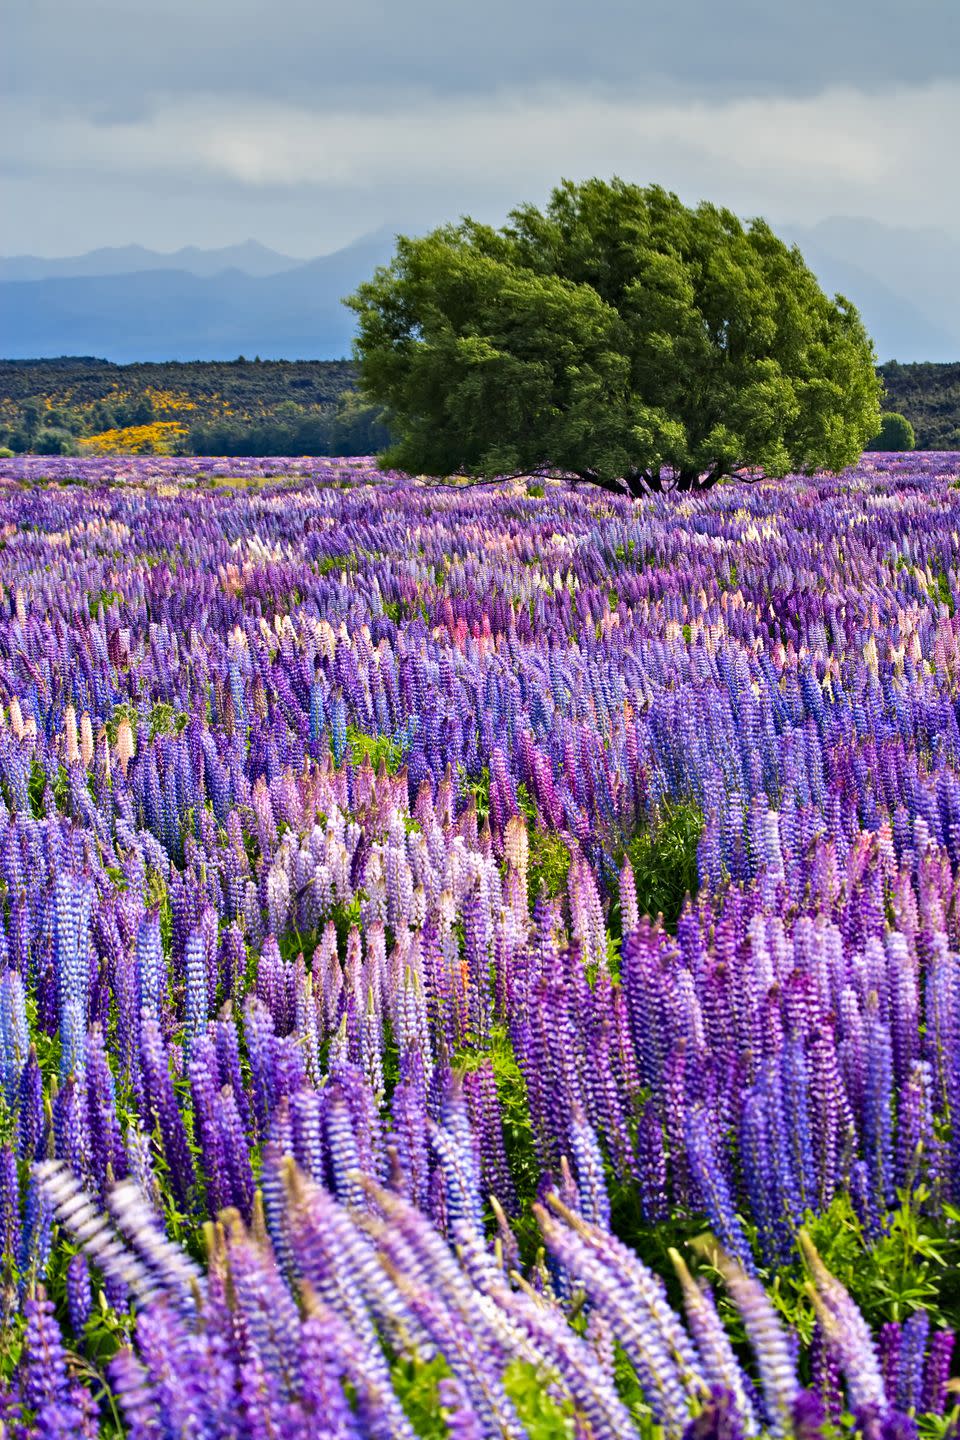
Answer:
(252, 406)
(929, 396)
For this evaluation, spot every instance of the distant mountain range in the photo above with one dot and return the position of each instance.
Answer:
(130, 303)
(251, 257)
(193, 305)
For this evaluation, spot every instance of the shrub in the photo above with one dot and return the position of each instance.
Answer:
(896, 433)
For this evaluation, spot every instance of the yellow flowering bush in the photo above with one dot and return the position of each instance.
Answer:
(157, 438)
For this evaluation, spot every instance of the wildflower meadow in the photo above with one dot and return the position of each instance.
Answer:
(477, 961)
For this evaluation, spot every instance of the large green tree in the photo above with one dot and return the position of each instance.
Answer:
(619, 337)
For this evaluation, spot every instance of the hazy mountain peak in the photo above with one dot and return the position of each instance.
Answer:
(128, 302)
(252, 257)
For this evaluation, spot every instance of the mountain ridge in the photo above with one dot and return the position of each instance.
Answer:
(249, 256)
(196, 304)
(170, 314)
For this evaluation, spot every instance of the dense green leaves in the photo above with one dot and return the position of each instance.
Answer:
(896, 433)
(617, 336)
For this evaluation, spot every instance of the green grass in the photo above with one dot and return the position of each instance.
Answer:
(664, 859)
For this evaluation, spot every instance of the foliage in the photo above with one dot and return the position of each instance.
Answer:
(929, 396)
(912, 1265)
(896, 433)
(54, 440)
(663, 855)
(242, 407)
(618, 336)
(378, 749)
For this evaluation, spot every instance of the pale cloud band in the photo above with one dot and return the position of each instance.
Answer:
(791, 157)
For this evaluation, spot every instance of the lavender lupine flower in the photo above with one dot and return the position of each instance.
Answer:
(70, 958)
(717, 1420)
(588, 1161)
(629, 913)
(107, 1156)
(378, 1414)
(61, 1195)
(341, 1268)
(188, 1389)
(473, 1365)
(652, 1165)
(890, 1342)
(775, 1362)
(9, 1207)
(408, 1135)
(163, 1110)
(338, 729)
(14, 1035)
(845, 1328)
(916, 1146)
(481, 1093)
(196, 991)
(463, 1422)
(878, 1109)
(720, 1366)
(825, 1375)
(457, 1151)
(636, 1305)
(713, 1188)
(324, 1366)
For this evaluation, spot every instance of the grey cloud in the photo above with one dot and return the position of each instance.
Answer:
(304, 123)
(300, 51)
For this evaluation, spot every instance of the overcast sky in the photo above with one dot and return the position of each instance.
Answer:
(303, 123)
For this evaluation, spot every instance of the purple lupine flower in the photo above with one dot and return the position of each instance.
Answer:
(161, 1103)
(588, 1162)
(636, 1306)
(825, 1375)
(408, 1134)
(149, 965)
(9, 1207)
(716, 1420)
(341, 1268)
(14, 1035)
(30, 1112)
(44, 1381)
(652, 1165)
(910, 1371)
(714, 1189)
(456, 1151)
(878, 1109)
(79, 1296)
(323, 1369)
(890, 1342)
(480, 1090)
(937, 1373)
(195, 1015)
(916, 1145)
(462, 1420)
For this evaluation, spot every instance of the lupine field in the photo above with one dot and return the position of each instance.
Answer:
(477, 962)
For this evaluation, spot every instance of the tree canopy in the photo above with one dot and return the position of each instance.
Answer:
(619, 337)
(895, 433)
